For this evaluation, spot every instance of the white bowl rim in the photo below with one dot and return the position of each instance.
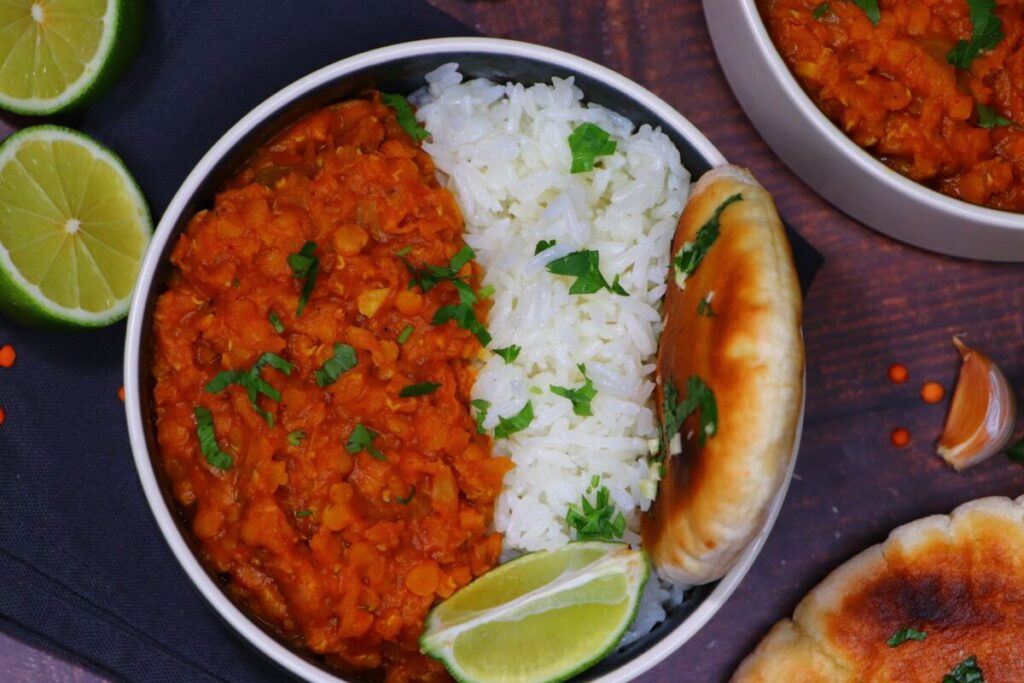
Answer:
(242, 624)
(867, 163)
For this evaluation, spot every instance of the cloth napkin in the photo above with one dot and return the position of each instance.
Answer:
(86, 572)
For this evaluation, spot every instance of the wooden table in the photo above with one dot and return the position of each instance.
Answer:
(875, 302)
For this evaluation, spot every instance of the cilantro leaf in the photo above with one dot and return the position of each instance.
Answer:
(987, 118)
(275, 322)
(343, 360)
(543, 245)
(692, 253)
(306, 267)
(585, 267)
(486, 292)
(966, 671)
(986, 33)
(704, 308)
(507, 426)
(303, 513)
(597, 521)
(587, 142)
(821, 10)
(870, 8)
(1016, 452)
(509, 353)
(427, 276)
(905, 634)
(463, 316)
(407, 499)
(252, 381)
(421, 389)
(208, 441)
(405, 116)
(404, 335)
(361, 440)
(581, 397)
(296, 437)
(699, 398)
(482, 407)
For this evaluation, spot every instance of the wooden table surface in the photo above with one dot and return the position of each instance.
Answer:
(874, 303)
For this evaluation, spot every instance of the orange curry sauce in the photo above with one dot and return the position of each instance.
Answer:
(340, 552)
(891, 89)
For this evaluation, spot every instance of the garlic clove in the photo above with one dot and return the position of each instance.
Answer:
(981, 414)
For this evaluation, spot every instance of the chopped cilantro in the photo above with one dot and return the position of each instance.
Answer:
(986, 33)
(463, 316)
(692, 253)
(870, 8)
(252, 381)
(543, 245)
(427, 276)
(343, 360)
(303, 513)
(296, 437)
(404, 335)
(404, 251)
(699, 397)
(405, 116)
(581, 397)
(509, 353)
(361, 440)
(482, 407)
(704, 308)
(306, 267)
(966, 671)
(507, 426)
(587, 142)
(486, 292)
(275, 322)
(585, 267)
(597, 521)
(208, 441)
(407, 499)
(421, 389)
(905, 634)
(821, 10)
(1016, 452)
(987, 118)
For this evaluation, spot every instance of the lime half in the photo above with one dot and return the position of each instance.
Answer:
(73, 229)
(55, 54)
(543, 617)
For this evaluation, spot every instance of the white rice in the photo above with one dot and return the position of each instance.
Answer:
(503, 151)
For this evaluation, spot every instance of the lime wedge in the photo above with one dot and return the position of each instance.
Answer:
(73, 229)
(543, 617)
(56, 54)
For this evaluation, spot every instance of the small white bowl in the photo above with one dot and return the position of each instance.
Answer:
(836, 167)
(400, 68)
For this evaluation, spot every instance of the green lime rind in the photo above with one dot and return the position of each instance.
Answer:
(118, 47)
(633, 566)
(20, 299)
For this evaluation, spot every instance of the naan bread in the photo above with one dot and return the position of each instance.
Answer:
(715, 496)
(958, 578)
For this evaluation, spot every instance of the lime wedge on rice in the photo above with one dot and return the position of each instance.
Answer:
(542, 617)
(73, 229)
(56, 54)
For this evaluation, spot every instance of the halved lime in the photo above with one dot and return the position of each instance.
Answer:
(543, 617)
(56, 54)
(73, 229)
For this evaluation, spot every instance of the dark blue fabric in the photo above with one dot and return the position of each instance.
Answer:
(83, 566)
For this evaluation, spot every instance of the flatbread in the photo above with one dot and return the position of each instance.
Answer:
(958, 578)
(715, 495)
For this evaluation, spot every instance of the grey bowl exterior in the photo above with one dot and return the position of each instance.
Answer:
(836, 168)
(398, 68)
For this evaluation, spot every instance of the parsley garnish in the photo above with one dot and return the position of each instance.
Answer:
(482, 407)
(509, 353)
(1016, 452)
(587, 143)
(543, 245)
(966, 671)
(704, 308)
(699, 397)
(585, 267)
(303, 513)
(405, 116)
(253, 382)
(404, 335)
(821, 10)
(464, 317)
(407, 499)
(296, 437)
(275, 322)
(208, 441)
(427, 277)
(905, 634)
(343, 360)
(692, 253)
(986, 33)
(987, 118)
(421, 389)
(870, 8)
(361, 440)
(581, 397)
(597, 521)
(305, 266)
(507, 426)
